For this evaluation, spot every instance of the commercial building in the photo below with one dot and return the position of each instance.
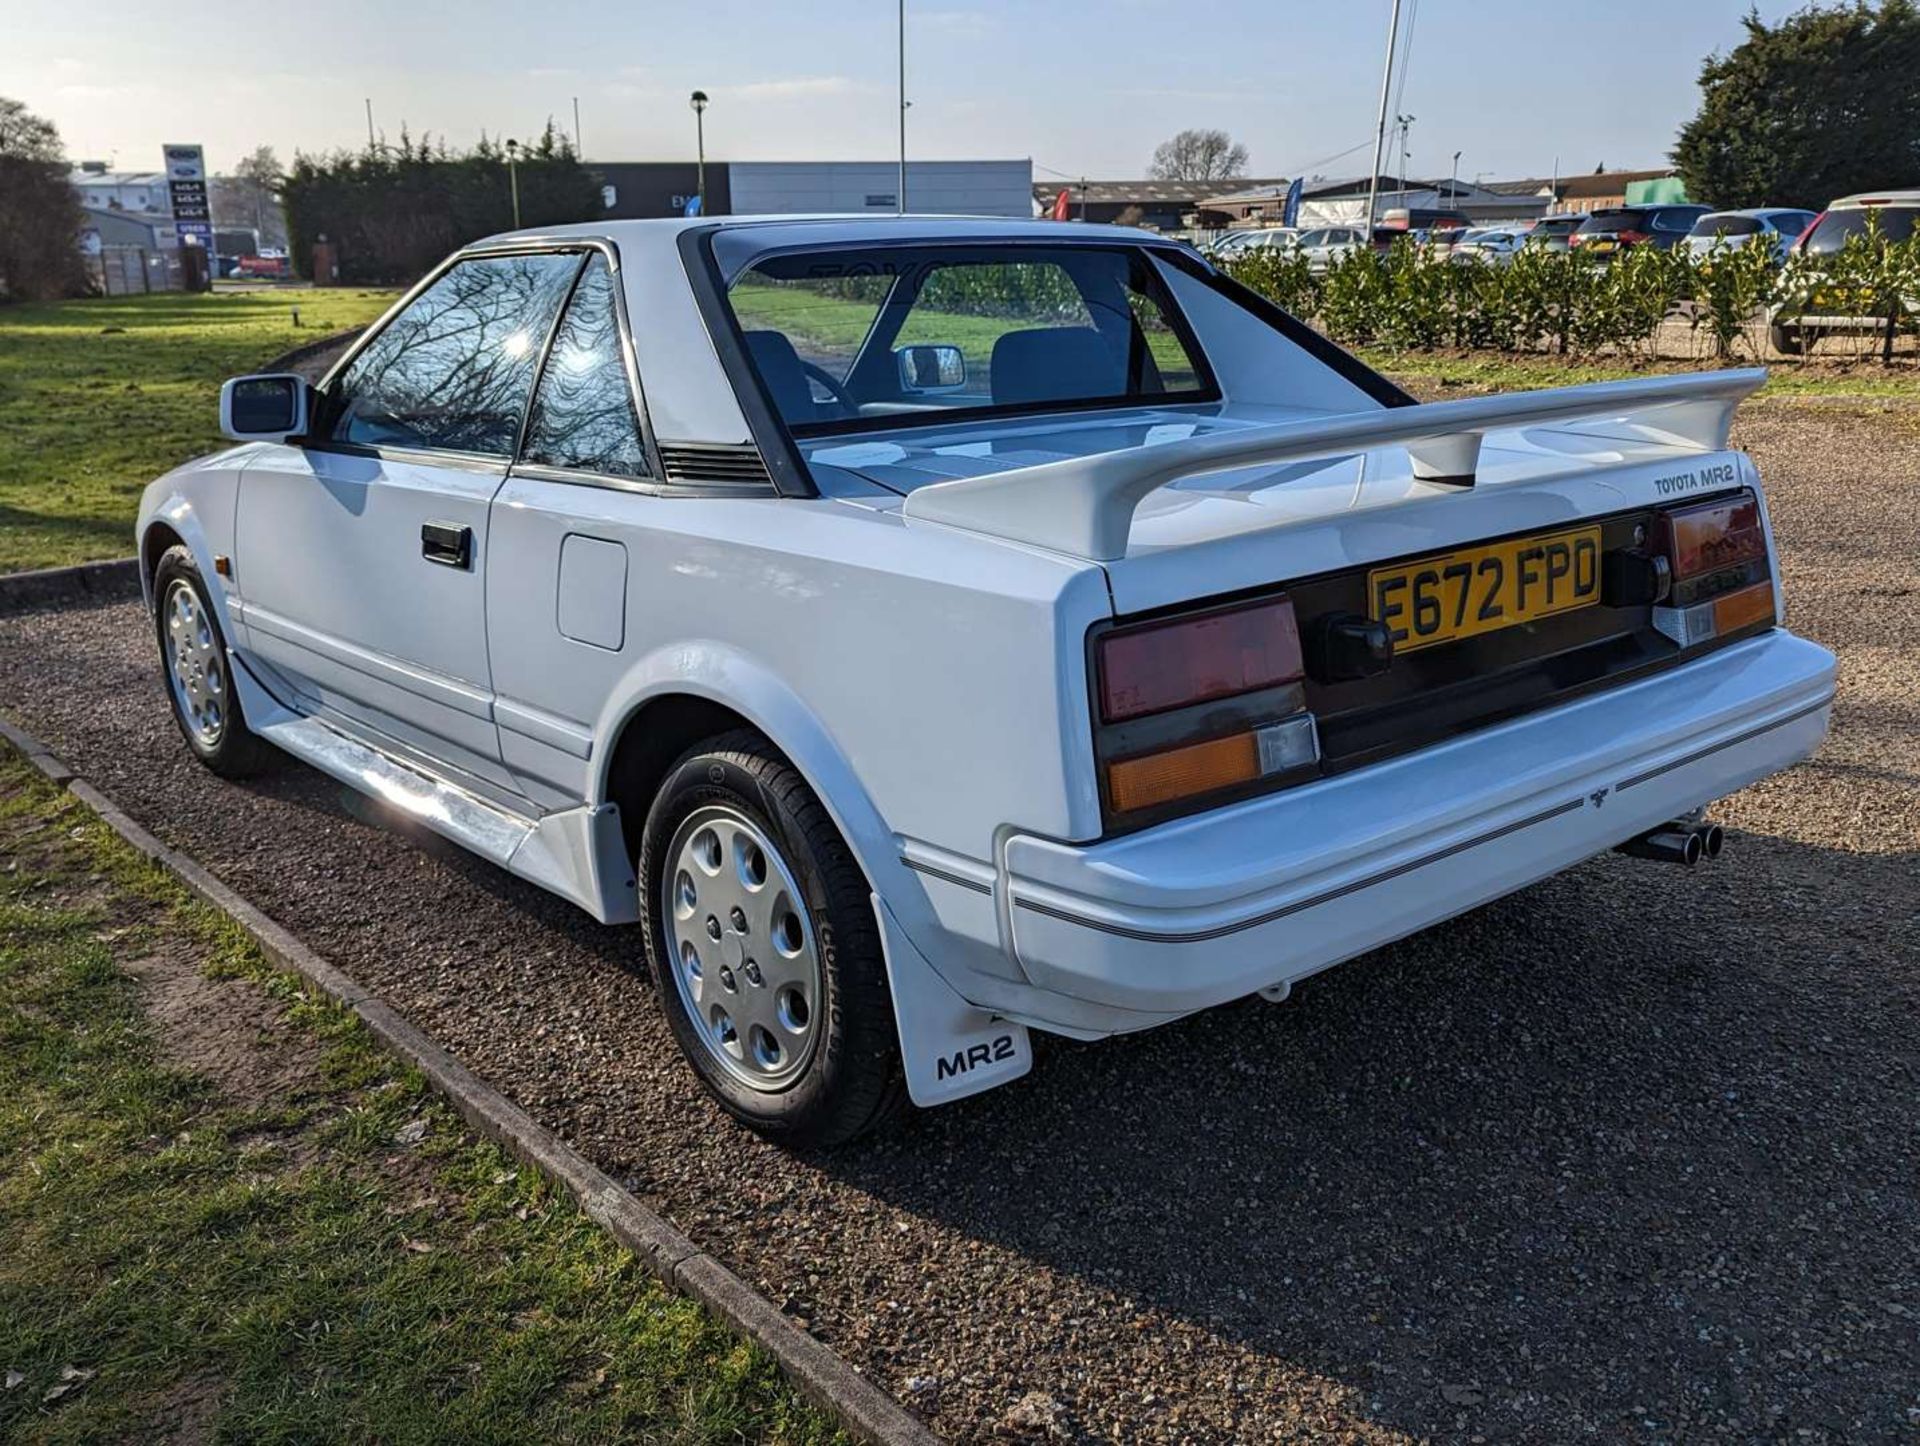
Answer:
(636, 189)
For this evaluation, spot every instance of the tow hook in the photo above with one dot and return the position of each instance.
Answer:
(1678, 841)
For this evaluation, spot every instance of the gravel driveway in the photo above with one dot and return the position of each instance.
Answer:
(1631, 1154)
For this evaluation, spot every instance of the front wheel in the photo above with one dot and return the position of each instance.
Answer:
(1786, 340)
(763, 947)
(193, 657)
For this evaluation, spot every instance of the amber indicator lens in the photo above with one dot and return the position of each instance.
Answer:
(1166, 665)
(1157, 778)
(1742, 609)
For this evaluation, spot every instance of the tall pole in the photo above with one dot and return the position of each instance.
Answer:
(1453, 186)
(698, 100)
(576, 126)
(1380, 135)
(903, 109)
(513, 179)
(370, 145)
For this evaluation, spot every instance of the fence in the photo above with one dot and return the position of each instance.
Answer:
(135, 270)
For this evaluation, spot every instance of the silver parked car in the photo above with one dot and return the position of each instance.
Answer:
(1775, 226)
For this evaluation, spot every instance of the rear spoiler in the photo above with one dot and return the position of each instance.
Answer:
(1084, 506)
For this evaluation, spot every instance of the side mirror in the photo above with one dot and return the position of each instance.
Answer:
(931, 368)
(269, 408)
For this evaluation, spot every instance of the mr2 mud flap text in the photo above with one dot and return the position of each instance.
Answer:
(951, 1048)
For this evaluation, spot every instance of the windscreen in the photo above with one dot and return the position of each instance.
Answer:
(1896, 223)
(889, 336)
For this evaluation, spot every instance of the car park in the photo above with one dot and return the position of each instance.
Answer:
(1271, 238)
(926, 631)
(1493, 246)
(1323, 246)
(1892, 215)
(1554, 233)
(1606, 233)
(1776, 227)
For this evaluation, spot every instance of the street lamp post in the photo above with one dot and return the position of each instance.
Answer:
(513, 179)
(698, 100)
(1453, 186)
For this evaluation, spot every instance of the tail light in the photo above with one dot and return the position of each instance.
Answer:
(1716, 555)
(1634, 238)
(1200, 705)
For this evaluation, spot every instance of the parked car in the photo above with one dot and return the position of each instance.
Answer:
(1894, 215)
(1776, 227)
(1620, 228)
(1271, 238)
(1494, 246)
(1555, 233)
(1326, 245)
(922, 631)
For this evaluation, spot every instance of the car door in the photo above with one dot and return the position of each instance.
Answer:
(575, 515)
(361, 556)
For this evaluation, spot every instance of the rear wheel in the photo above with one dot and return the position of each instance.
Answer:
(1786, 340)
(193, 657)
(763, 947)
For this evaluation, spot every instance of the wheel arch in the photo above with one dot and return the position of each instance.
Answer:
(176, 524)
(682, 694)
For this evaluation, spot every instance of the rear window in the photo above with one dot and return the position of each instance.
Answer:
(1896, 223)
(1606, 222)
(1725, 226)
(1676, 218)
(881, 335)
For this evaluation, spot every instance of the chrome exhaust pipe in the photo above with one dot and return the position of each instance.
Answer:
(1667, 844)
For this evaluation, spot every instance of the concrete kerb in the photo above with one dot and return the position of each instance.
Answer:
(863, 1408)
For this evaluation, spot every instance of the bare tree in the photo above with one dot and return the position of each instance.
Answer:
(40, 215)
(251, 197)
(1198, 155)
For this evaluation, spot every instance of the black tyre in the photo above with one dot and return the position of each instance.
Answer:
(1786, 339)
(763, 946)
(194, 666)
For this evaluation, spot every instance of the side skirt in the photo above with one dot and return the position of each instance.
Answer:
(578, 853)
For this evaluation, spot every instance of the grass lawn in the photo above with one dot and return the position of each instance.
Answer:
(99, 397)
(250, 1224)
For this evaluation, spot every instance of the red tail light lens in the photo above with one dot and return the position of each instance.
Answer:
(1800, 242)
(1714, 536)
(1157, 666)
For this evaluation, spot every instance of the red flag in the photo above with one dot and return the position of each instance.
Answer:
(1060, 204)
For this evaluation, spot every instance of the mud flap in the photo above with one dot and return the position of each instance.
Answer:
(951, 1048)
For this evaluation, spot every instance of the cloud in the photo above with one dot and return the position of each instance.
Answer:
(796, 88)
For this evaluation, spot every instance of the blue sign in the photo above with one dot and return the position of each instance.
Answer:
(1290, 212)
(693, 206)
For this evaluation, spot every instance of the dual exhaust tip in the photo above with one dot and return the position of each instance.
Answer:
(1680, 841)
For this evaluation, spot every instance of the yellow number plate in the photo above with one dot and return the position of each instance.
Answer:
(1483, 589)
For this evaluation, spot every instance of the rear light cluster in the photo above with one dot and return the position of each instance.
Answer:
(1716, 560)
(1200, 705)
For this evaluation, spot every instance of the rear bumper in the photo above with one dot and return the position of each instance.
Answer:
(1213, 908)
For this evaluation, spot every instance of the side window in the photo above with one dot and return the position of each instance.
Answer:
(583, 413)
(453, 370)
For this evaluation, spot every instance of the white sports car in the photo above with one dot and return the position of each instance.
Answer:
(930, 630)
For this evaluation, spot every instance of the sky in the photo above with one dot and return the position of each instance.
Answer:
(1082, 87)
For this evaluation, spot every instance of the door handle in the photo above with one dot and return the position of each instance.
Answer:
(447, 544)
